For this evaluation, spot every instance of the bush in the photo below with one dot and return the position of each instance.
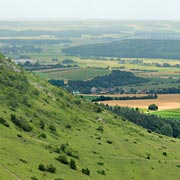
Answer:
(52, 128)
(62, 159)
(100, 163)
(72, 164)
(42, 124)
(149, 131)
(51, 168)
(4, 122)
(21, 123)
(68, 126)
(164, 153)
(86, 171)
(153, 107)
(34, 178)
(43, 135)
(101, 172)
(42, 167)
(69, 151)
(100, 128)
(22, 160)
(109, 141)
(148, 156)
(63, 147)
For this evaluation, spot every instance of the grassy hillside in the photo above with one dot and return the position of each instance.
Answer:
(45, 122)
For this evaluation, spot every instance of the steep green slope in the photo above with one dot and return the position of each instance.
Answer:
(45, 122)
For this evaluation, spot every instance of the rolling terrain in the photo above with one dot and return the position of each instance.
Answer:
(40, 123)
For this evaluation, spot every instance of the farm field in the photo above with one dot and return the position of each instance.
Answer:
(173, 113)
(74, 73)
(164, 102)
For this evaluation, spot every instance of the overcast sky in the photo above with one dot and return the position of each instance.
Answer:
(90, 9)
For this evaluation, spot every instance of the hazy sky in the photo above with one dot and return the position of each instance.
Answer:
(91, 9)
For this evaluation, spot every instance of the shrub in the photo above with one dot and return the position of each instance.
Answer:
(43, 135)
(100, 128)
(42, 167)
(72, 153)
(100, 163)
(68, 126)
(98, 110)
(21, 123)
(51, 168)
(63, 147)
(102, 172)
(19, 135)
(62, 159)
(34, 178)
(86, 171)
(4, 122)
(109, 141)
(72, 164)
(164, 153)
(148, 156)
(42, 124)
(22, 160)
(52, 128)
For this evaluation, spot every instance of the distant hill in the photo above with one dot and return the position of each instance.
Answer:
(48, 134)
(131, 48)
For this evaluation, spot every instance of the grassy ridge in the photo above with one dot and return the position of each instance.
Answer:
(121, 147)
(75, 73)
(133, 48)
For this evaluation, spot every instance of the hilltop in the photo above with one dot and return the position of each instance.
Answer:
(41, 125)
(129, 48)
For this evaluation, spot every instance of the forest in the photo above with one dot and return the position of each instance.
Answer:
(132, 48)
(116, 78)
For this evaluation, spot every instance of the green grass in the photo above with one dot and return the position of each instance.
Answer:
(175, 113)
(125, 158)
(75, 73)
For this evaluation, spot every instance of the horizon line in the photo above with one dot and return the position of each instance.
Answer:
(81, 19)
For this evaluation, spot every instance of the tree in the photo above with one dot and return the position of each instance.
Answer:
(153, 107)
(167, 130)
(42, 167)
(86, 171)
(72, 164)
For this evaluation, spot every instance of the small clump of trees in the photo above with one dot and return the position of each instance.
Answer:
(86, 171)
(153, 107)
(21, 123)
(49, 168)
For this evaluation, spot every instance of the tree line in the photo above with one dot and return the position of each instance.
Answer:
(109, 98)
(116, 78)
(165, 126)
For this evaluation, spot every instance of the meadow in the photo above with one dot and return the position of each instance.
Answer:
(73, 73)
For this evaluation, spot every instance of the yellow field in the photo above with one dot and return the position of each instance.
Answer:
(164, 102)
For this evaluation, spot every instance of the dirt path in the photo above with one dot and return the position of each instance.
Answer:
(10, 172)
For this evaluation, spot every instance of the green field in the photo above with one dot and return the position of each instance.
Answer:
(110, 146)
(74, 73)
(175, 113)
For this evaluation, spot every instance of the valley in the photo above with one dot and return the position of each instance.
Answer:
(49, 74)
